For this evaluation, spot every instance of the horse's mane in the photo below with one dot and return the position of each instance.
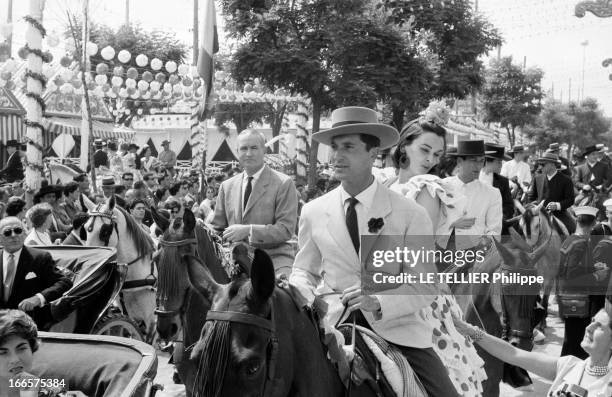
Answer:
(528, 216)
(142, 241)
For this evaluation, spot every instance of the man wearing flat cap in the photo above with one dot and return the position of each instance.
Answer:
(340, 232)
(13, 171)
(558, 192)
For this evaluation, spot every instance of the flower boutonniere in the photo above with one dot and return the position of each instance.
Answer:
(375, 224)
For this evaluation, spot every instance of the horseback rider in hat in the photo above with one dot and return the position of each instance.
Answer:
(13, 171)
(517, 170)
(558, 191)
(564, 167)
(490, 175)
(335, 250)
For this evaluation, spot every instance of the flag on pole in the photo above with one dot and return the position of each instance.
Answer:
(209, 45)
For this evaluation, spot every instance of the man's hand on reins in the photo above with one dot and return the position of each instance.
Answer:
(353, 299)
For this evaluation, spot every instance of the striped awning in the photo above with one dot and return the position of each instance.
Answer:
(58, 125)
(11, 127)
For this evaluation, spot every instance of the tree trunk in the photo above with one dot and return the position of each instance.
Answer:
(510, 137)
(398, 117)
(513, 135)
(314, 146)
(277, 123)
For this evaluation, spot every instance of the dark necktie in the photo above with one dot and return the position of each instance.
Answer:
(351, 222)
(247, 192)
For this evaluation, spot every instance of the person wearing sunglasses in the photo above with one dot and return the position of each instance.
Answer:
(29, 277)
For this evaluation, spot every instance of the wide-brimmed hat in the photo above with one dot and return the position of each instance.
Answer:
(133, 146)
(549, 157)
(499, 152)
(517, 149)
(586, 210)
(554, 147)
(592, 149)
(165, 142)
(471, 148)
(48, 189)
(98, 143)
(358, 120)
(13, 143)
(108, 181)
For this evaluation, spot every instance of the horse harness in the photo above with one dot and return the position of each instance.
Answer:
(106, 231)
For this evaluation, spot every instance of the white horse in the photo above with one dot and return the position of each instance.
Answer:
(110, 225)
(59, 173)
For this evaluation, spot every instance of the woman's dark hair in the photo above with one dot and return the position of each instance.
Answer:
(409, 133)
(159, 193)
(174, 189)
(15, 206)
(446, 166)
(136, 202)
(17, 323)
(38, 214)
(585, 220)
(70, 188)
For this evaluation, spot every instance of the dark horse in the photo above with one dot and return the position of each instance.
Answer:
(257, 341)
(181, 312)
(485, 305)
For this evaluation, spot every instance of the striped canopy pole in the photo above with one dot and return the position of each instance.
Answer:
(283, 149)
(34, 104)
(195, 137)
(301, 144)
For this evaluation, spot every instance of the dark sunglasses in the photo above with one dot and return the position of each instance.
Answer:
(9, 232)
(175, 211)
(128, 179)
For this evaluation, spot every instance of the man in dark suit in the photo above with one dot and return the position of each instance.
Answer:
(558, 191)
(30, 278)
(13, 171)
(592, 172)
(100, 156)
(109, 189)
(490, 174)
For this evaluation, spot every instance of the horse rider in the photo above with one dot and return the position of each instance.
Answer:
(100, 156)
(558, 192)
(517, 170)
(332, 258)
(593, 171)
(13, 171)
(564, 167)
(258, 205)
(490, 175)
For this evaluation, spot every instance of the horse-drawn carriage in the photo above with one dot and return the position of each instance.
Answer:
(98, 366)
(93, 305)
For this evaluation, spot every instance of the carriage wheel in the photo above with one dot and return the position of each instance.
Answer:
(116, 324)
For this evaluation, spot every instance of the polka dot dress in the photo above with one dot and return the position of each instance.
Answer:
(465, 367)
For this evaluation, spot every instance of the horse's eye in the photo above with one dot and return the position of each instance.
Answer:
(252, 368)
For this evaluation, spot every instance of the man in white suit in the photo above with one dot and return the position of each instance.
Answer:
(332, 258)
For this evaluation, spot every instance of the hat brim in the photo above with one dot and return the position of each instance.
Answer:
(487, 153)
(505, 157)
(388, 135)
(545, 160)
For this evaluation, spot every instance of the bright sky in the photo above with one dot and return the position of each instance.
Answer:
(544, 31)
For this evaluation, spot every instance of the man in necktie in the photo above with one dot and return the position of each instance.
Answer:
(258, 205)
(341, 231)
(30, 278)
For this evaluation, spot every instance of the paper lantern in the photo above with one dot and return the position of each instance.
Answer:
(69, 47)
(5, 75)
(187, 90)
(66, 89)
(65, 61)
(187, 94)
(167, 87)
(157, 96)
(132, 73)
(67, 74)
(98, 91)
(142, 60)
(171, 66)
(194, 72)
(6, 29)
(91, 48)
(139, 111)
(183, 69)
(155, 85)
(116, 89)
(124, 56)
(147, 76)
(77, 83)
(108, 53)
(79, 91)
(116, 81)
(220, 75)
(127, 111)
(51, 87)
(156, 64)
(49, 56)
(146, 95)
(187, 82)
(118, 71)
(91, 85)
(123, 93)
(131, 90)
(105, 87)
(160, 77)
(173, 79)
(102, 68)
(101, 79)
(23, 53)
(177, 88)
(2, 83)
(130, 83)
(10, 85)
(143, 85)
(197, 83)
(248, 87)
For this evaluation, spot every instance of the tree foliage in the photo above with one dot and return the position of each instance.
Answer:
(336, 52)
(512, 97)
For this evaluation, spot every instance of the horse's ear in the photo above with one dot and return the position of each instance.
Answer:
(506, 255)
(189, 221)
(200, 278)
(87, 202)
(519, 206)
(111, 202)
(518, 240)
(262, 276)
(159, 219)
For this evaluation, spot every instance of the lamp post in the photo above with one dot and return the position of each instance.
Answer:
(584, 45)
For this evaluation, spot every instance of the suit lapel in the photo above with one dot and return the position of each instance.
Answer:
(24, 260)
(235, 193)
(258, 190)
(336, 225)
(381, 208)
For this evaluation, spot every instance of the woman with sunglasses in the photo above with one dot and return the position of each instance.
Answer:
(39, 217)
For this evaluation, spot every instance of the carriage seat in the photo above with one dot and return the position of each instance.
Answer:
(96, 365)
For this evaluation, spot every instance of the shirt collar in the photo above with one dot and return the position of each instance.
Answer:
(255, 176)
(5, 255)
(365, 197)
(552, 176)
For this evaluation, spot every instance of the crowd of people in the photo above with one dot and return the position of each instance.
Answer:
(453, 198)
